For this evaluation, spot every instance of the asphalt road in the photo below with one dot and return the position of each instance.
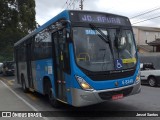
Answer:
(148, 100)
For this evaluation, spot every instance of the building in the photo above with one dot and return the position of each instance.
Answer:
(147, 38)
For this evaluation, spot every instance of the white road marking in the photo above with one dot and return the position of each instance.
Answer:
(22, 99)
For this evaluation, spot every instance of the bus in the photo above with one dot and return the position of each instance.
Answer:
(79, 58)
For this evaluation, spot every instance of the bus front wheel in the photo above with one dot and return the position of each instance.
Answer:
(55, 103)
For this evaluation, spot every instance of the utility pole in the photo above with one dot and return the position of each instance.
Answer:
(81, 4)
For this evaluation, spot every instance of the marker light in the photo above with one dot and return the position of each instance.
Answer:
(138, 78)
(83, 84)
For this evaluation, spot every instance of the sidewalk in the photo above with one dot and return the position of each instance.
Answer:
(12, 102)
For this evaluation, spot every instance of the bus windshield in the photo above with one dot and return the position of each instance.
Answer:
(93, 53)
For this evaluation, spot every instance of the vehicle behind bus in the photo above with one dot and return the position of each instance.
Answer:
(80, 58)
(8, 68)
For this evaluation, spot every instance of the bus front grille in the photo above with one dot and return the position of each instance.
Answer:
(113, 76)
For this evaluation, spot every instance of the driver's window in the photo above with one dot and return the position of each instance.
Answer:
(80, 44)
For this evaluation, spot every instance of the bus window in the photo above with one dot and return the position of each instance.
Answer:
(91, 52)
(43, 47)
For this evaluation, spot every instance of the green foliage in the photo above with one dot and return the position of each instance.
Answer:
(28, 22)
(17, 19)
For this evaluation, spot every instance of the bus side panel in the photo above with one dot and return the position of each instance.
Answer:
(33, 65)
(44, 68)
(22, 66)
(17, 78)
(70, 79)
(68, 88)
(75, 69)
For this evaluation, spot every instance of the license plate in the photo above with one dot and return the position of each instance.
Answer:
(118, 96)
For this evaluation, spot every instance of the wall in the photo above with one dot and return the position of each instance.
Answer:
(141, 35)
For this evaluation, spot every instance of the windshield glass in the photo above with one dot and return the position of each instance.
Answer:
(97, 52)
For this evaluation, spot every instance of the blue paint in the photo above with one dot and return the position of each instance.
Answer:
(108, 84)
(90, 32)
(42, 70)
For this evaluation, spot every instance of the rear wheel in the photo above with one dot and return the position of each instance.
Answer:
(24, 88)
(152, 81)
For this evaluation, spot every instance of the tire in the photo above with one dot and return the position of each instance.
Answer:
(152, 81)
(55, 103)
(24, 88)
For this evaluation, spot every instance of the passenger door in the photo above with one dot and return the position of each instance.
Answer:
(60, 57)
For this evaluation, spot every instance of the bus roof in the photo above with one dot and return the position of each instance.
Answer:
(64, 14)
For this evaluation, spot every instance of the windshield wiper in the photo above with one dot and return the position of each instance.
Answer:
(103, 37)
(101, 34)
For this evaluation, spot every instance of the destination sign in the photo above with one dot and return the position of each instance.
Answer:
(101, 18)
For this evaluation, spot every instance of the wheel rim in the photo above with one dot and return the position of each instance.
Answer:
(152, 82)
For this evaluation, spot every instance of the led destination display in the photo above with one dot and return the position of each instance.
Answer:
(100, 18)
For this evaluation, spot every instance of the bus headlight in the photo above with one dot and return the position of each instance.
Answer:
(138, 78)
(83, 84)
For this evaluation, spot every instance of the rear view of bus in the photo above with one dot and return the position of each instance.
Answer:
(106, 62)
(80, 58)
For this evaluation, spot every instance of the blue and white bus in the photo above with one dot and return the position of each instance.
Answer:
(79, 58)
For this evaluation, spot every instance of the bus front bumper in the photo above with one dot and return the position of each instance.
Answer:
(84, 98)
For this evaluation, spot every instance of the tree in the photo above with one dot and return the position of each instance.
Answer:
(27, 15)
(17, 19)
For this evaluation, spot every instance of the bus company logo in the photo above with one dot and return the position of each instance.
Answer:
(6, 114)
(116, 84)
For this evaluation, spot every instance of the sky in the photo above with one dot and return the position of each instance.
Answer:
(47, 9)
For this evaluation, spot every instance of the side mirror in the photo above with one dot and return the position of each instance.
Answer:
(121, 43)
